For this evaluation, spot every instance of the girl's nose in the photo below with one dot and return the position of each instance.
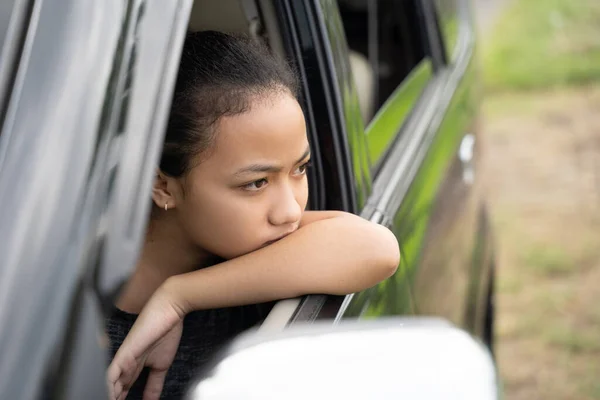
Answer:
(286, 209)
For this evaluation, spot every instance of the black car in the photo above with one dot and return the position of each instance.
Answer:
(391, 96)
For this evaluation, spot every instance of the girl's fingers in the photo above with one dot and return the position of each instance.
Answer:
(112, 382)
(121, 374)
(130, 369)
(154, 384)
(118, 388)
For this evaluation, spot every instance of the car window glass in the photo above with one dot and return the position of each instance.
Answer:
(13, 25)
(56, 87)
(389, 61)
(349, 97)
(448, 19)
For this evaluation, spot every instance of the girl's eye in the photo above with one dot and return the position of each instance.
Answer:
(256, 185)
(301, 170)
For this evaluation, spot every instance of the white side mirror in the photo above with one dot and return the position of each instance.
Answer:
(408, 358)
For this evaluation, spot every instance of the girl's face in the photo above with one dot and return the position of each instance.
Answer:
(252, 188)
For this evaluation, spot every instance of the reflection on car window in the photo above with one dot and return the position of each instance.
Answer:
(13, 25)
(389, 62)
(448, 19)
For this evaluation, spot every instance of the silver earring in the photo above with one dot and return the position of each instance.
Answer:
(166, 206)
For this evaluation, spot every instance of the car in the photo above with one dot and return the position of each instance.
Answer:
(391, 93)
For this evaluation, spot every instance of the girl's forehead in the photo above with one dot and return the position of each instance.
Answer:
(272, 131)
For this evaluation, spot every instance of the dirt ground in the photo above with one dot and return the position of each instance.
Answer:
(542, 173)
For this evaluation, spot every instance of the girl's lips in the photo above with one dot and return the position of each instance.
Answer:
(275, 240)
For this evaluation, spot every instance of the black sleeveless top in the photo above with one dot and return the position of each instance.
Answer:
(204, 333)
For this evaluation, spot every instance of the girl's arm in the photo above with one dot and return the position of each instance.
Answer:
(332, 253)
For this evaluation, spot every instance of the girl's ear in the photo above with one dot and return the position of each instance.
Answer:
(163, 191)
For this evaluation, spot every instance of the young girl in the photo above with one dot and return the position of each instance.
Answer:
(229, 227)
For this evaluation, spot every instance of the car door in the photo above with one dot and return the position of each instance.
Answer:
(83, 114)
(334, 110)
(418, 178)
(461, 193)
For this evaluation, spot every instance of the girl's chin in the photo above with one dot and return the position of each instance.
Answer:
(239, 253)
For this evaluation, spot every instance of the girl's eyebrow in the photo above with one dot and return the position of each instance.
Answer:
(261, 168)
(304, 155)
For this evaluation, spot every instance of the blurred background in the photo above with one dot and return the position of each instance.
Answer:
(541, 124)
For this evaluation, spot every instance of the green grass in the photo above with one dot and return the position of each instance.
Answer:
(591, 387)
(572, 340)
(547, 260)
(543, 43)
(510, 285)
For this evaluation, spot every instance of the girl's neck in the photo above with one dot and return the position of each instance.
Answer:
(167, 251)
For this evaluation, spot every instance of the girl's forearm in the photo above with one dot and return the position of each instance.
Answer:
(333, 256)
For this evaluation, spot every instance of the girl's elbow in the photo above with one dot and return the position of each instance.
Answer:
(378, 259)
(388, 252)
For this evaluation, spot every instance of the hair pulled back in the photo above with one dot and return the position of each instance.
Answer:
(219, 75)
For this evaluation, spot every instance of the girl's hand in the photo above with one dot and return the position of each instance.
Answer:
(152, 342)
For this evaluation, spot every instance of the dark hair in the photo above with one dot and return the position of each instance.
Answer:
(219, 75)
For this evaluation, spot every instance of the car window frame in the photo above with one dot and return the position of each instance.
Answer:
(462, 19)
(302, 32)
(128, 212)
